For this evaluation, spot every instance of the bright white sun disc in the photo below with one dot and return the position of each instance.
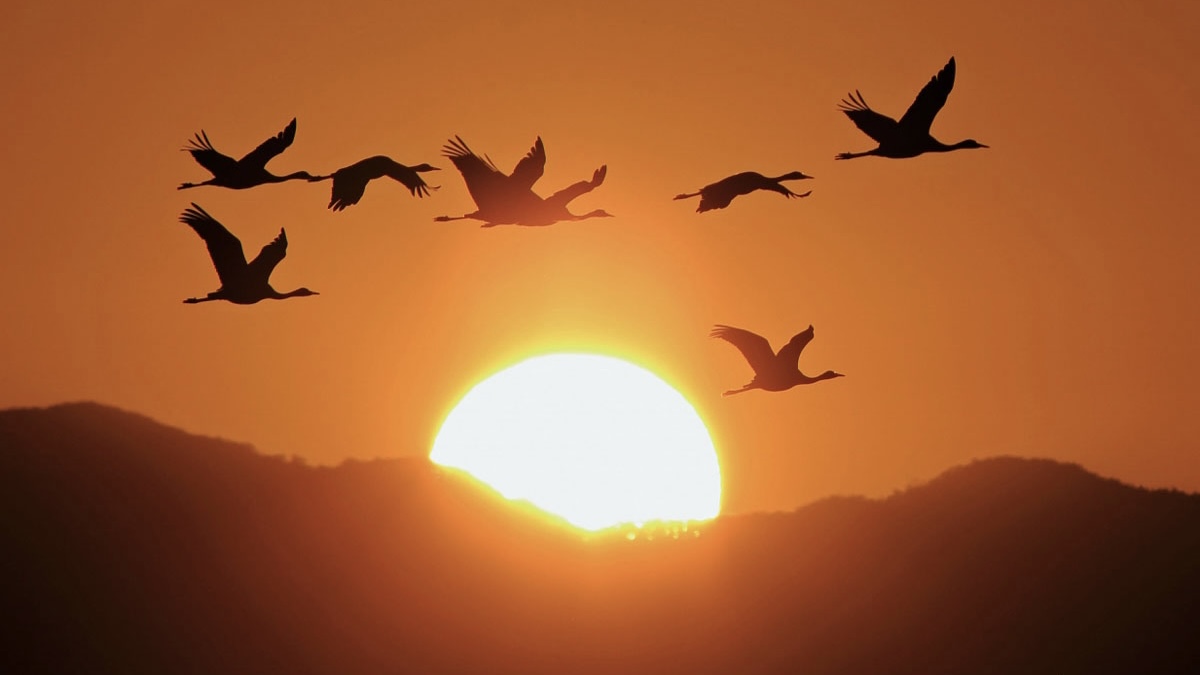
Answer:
(594, 439)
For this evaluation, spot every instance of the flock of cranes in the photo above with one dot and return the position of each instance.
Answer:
(509, 199)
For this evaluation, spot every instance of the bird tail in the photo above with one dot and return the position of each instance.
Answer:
(687, 195)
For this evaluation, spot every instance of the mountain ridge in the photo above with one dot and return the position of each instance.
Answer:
(142, 548)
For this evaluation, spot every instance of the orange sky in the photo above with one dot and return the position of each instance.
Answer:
(1037, 298)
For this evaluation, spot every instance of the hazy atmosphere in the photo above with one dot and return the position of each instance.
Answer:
(1037, 298)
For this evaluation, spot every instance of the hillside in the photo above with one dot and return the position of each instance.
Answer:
(131, 547)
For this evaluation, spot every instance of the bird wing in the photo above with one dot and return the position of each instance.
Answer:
(878, 126)
(790, 353)
(270, 255)
(223, 247)
(930, 100)
(754, 347)
(405, 175)
(485, 182)
(207, 156)
(271, 147)
(718, 195)
(567, 194)
(349, 182)
(531, 166)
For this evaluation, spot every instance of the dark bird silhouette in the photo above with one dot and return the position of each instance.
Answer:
(910, 136)
(772, 372)
(502, 199)
(242, 283)
(719, 194)
(248, 171)
(350, 182)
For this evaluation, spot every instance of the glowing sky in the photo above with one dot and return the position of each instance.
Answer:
(594, 439)
(1039, 298)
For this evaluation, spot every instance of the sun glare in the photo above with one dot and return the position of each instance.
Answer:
(593, 439)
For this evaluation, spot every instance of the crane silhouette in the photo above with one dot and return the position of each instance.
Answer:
(772, 371)
(350, 182)
(502, 199)
(719, 194)
(242, 283)
(910, 136)
(248, 171)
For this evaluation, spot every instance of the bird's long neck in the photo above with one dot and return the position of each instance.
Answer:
(299, 175)
(827, 375)
(793, 175)
(276, 295)
(939, 146)
(598, 213)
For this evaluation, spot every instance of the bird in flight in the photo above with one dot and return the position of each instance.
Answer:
(719, 194)
(242, 283)
(910, 136)
(509, 199)
(772, 371)
(248, 171)
(350, 182)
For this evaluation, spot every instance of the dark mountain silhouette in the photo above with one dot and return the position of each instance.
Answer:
(131, 547)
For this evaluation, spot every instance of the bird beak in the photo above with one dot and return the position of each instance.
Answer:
(984, 146)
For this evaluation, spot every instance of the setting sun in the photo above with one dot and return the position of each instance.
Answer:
(593, 439)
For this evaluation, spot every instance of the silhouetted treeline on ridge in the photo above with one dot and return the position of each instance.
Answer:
(131, 547)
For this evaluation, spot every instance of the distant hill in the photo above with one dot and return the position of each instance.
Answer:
(131, 547)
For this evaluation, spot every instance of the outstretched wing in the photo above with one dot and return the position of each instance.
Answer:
(790, 353)
(350, 182)
(271, 147)
(224, 248)
(207, 156)
(270, 255)
(565, 195)
(754, 347)
(878, 126)
(484, 181)
(348, 186)
(531, 166)
(929, 101)
(406, 176)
